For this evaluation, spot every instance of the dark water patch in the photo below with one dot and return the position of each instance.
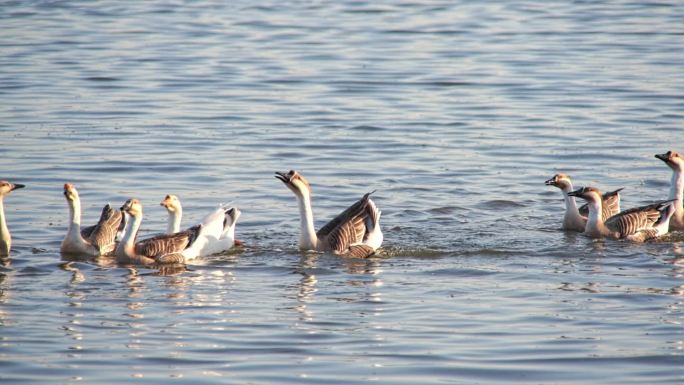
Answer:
(102, 79)
(368, 128)
(500, 204)
(460, 272)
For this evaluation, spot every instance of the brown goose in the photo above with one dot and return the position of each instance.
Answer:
(5, 237)
(575, 219)
(675, 161)
(638, 224)
(95, 240)
(355, 232)
(165, 248)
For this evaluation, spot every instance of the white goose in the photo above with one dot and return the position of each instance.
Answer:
(675, 161)
(638, 224)
(166, 248)
(355, 232)
(219, 225)
(575, 219)
(175, 210)
(95, 240)
(5, 237)
(220, 231)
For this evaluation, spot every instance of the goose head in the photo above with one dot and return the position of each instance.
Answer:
(231, 217)
(295, 182)
(70, 192)
(7, 187)
(587, 193)
(171, 203)
(561, 181)
(672, 159)
(132, 207)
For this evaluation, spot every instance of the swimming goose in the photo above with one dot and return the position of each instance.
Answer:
(173, 206)
(575, 219)
(222, 215)
(638, 224)
(5, 237)
(95, 240)
(355, 232)
(165, 248)
(675, 161)
(218, 234)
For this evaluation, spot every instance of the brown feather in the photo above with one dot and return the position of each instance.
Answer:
(348, 228)
(104, 234)
(634, 220)
(361, 251)
(610, 205)
(166, 244)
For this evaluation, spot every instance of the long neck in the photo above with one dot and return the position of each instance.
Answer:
(307, 237)
(595, 223)
(174, 221)
(127, 245)
(5, 239)
(570, 204)
(74, 231)
(677, 192)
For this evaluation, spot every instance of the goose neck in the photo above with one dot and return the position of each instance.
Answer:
(308, 238)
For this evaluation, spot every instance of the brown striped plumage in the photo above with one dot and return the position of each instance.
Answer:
(96, 240)
(165, 248)
(103, 235)
(575, 219)
(161, 246)
(610, 205)
(347, 228)
(355, 232)
(637, 224)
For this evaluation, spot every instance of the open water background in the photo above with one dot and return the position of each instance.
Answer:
(455, 111)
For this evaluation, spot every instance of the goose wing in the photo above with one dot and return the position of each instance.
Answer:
(86, 232)
(348, 228)
(634, 220)
(104, 233)
(610, 205)
(164, 246)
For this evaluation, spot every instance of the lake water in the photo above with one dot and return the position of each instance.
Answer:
(456, 112)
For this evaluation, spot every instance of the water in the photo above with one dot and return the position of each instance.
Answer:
(456, 112)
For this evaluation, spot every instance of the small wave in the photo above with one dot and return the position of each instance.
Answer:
(497, 204)
(368, 128)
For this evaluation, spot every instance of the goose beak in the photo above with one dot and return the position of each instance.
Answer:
(664, 157)
(17, 186)
(283, 177)
(550, 182)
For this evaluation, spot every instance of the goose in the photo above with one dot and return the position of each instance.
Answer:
(638, 224)
(219, 233)
(95, 240)
(165, 248)
(5, 237)
(222, 215)
(355, 232)
(575, 219)
(675, 161)
(175, 210)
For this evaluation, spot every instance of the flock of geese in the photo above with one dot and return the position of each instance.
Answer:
(601, 217)
(355, 232)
